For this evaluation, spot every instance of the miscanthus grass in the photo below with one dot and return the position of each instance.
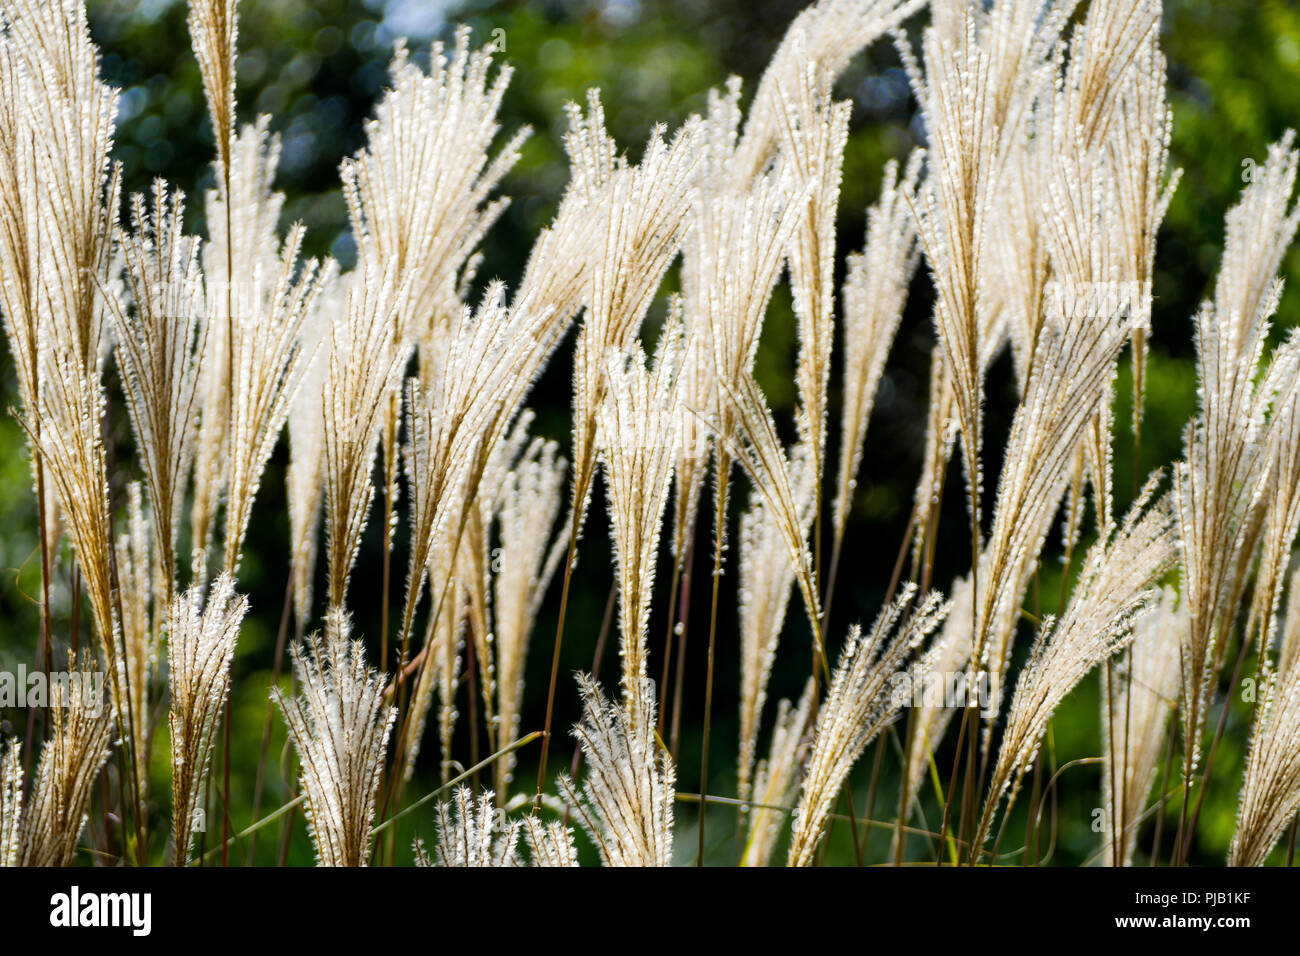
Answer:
(1031, 205)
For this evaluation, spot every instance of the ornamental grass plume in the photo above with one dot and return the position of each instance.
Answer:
(144, 602)
(1289, 642)
(45, 832)
(1116, 586)
(766, 578)
(305, 474)
(733, 259)
(418, 203)
(1069, 382)
(626, 801)
(366, 362)
(456, 412)
(11, 804)
(59, 219)
(983, 70)
(702, 252)
(255, 334)
(875, 289)
(636, 217)
(530, 551)
(1270, 796)
(244, 213)
(1107, 202)
(472, 833)
(550, 843)
(1270, 793)
(639, 215)
(477, 833)
(949, 656)
(202, 629)
(821, 40)
(477, 380)
(757, 447)
(814, 131)
(268, 367)
(417, 192)
(470, 622)
(18, 245)
(736, 252)
(514, 456)
(637, 435)
(1281, 509)
(1145, 186)
(776, 778)
(439, 674)
(1108, 42)
(951, 206)
(214, 32)
(59, 198)
(339, 724)
(741, 238)
(1220, 484)
(160, 345)
(859, 704)
(1137, 701)
(238, 262)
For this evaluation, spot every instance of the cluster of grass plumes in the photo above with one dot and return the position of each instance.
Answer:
(1034, 205)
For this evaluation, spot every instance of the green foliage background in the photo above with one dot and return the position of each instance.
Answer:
(317, 67)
